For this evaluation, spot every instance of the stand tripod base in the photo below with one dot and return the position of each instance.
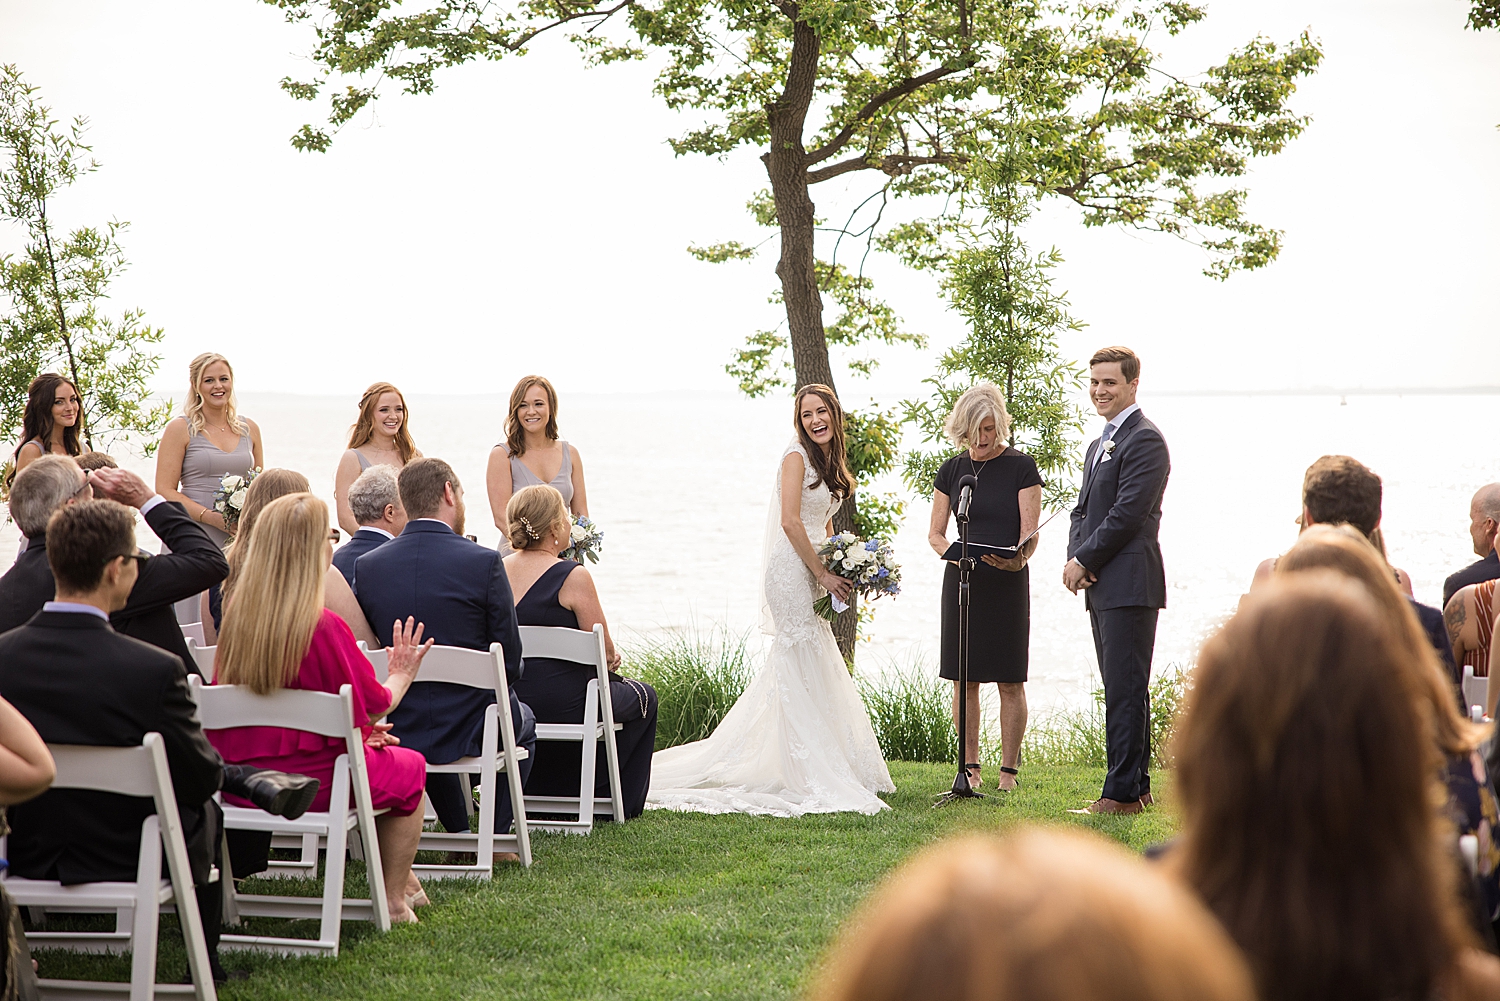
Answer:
(959, 791)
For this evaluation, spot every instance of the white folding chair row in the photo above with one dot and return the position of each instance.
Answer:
(598, 725)
(203, 656)
(223, 707)
(129, 771)
(482, 669)
(1476, 693)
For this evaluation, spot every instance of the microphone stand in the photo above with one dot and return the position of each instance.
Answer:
(961, 788)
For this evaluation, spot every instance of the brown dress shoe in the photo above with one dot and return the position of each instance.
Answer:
(1114, 806)
(1148, 800)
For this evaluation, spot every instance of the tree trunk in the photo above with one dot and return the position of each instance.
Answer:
(786, 164)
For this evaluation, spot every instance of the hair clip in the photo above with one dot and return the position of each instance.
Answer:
(530, 532)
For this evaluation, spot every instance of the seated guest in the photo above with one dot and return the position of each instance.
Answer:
(1484, 522)
(193, 564)
(337, 596)
(376, 505)
(1339, 490)
(277, 634)
(558, 592)
(459, 591)
(1042, 915)
(1471, 802)
(77, 681)
(1470, 615)
(1306, 770)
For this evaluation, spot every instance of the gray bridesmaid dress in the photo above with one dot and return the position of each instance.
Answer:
(520, 477)
(204, 464)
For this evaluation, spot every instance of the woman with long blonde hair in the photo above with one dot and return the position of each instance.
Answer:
(210, 440)
(277, 634)
(380, 437)
(533, 454)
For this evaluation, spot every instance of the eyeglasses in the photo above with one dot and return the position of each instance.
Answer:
(140, 559)
(86, 484)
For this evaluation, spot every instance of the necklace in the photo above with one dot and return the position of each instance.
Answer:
(980, 468)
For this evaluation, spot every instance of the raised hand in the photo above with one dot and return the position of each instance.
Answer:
(120, 485)
(404, 655)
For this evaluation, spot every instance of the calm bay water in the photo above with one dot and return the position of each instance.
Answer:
(683, 514)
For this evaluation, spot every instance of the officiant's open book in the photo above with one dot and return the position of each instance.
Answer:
(1004, 552)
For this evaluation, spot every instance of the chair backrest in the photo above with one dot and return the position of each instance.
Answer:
(124, 770)
(377, 660)
(1476, 690)
(461, 666)
(559, 643)
(222, 707)
(192, 631)
(203, 656)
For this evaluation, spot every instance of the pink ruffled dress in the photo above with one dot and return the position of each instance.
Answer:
(397, 774)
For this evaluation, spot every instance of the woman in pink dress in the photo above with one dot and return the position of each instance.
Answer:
(277, 634)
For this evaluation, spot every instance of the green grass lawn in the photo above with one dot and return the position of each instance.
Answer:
(667, 906)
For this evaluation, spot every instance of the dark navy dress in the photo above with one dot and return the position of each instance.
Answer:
(555, 689)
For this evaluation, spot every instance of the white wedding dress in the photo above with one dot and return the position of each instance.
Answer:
(798, 740)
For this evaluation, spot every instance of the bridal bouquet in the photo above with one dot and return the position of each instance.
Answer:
(585, 540)
(229, 499)
(871, 565)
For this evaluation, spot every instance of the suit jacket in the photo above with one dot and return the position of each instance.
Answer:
(194, 564)
(80, 682)
(458, 589)
(1475, 573)
(359, 543)
(1117, 518)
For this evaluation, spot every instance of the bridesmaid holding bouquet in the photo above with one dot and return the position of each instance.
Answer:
(532, 454)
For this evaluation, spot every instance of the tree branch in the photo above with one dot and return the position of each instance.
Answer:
(875, 103)
(890, 165)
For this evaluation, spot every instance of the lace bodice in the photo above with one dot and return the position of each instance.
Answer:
(789, 587)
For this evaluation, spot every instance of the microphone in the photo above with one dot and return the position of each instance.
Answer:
(966, 485)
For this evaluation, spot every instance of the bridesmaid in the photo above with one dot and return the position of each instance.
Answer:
(555, 592)
(380, 438)
(532, 454)
(51, 422)
(207, 442)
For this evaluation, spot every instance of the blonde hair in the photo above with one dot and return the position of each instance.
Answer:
(533, 513)
(1043, 915)
(265, 488)
(279, 597)
(192, 404)
(364, 428)
(972, 409)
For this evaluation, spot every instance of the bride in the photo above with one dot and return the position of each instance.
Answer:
(798, 740)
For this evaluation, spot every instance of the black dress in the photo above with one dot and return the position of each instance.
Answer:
(555, 689)
(999, 600)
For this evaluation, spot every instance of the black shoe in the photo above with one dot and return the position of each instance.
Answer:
(279, 793)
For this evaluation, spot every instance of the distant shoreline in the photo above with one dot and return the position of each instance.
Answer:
(1327, 391)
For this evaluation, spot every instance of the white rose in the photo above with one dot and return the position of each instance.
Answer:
(578, 533)
(237, 499)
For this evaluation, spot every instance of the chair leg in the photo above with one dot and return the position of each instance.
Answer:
(589, 763)
(147, 915)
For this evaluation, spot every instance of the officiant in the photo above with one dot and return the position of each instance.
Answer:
(1005, 508)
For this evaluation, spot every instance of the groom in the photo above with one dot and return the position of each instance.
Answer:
(1115, 560)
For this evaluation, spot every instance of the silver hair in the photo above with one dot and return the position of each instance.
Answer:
(371, 492)
(40, 489)
(1487, 499)
(977, 404)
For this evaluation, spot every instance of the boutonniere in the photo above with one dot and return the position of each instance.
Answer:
(1109, 448)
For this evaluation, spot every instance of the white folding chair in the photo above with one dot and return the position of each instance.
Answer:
(130, 771)
(222, 707)
(203, 656)
(1476, 693)
(192, 632)
(497, 753)
(598, 725)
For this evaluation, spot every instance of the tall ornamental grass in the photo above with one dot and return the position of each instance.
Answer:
(697, 678)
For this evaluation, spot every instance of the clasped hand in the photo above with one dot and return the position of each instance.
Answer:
(835, 585)
(1076, 577)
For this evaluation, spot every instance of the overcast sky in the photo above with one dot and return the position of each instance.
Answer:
(529, 216)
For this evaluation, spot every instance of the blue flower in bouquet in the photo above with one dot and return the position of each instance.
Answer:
(869, 564)
(585, 540)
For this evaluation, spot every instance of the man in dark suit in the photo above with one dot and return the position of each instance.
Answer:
(459, 591)
(376, 502)
(1484, 524)
(1114, 558)
(80, 682)
(193, 565)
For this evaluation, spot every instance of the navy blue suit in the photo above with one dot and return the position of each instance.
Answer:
(359, 543)
(457, 589)
(1114, 536)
